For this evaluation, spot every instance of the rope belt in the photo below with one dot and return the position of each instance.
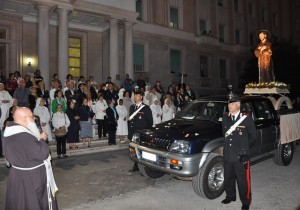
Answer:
(51, 185)
(27, 169)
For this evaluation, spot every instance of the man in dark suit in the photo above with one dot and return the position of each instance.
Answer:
(140, 117)
(110, 94)
(236, 149)
(70, 93)
(190, 93)
(112, 119)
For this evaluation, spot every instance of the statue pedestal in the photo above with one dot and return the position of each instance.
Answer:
(271, 91)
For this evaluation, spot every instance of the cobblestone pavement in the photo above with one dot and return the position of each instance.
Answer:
(101, 181)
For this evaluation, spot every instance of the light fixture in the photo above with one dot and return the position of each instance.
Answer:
(29, 61)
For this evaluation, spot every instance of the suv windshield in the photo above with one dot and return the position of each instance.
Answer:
(204, 110)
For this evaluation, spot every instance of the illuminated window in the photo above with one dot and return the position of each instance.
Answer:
(74, 56)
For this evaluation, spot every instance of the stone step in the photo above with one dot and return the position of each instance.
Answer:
(98, 146)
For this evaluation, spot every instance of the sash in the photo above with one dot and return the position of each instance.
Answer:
(233, 127)
(136, 111)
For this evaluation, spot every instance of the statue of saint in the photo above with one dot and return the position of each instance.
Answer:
(263, 52)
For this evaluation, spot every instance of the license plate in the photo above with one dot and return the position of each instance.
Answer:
(149, 156)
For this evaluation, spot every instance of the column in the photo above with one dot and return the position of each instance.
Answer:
(114, 49)
(43, 43)
(128, 50)
(63, 52)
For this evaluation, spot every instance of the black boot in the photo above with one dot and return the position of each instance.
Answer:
(134, 168)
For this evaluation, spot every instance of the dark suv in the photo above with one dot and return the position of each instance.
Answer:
(190, 146)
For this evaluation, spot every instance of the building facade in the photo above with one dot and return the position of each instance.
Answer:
(201, 42)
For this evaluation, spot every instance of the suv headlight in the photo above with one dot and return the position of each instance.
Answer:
(136, 137)
(180, 146)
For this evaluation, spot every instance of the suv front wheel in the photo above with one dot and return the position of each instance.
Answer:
(209, 182)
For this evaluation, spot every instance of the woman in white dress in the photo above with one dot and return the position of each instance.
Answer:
(156, 111)
(168, 110)
(5, 103)
(44, 115)
(122, 129)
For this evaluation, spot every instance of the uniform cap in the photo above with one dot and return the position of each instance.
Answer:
(139, 91)
(233, 98)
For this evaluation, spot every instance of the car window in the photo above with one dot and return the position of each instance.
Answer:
(262, 110)
(247, 108)
(209, 110)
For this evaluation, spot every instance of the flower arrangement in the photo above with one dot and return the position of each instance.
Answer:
(270, 85)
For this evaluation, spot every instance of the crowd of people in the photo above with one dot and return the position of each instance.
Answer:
(70, 108)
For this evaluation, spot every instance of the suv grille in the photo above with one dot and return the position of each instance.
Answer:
(154, 142)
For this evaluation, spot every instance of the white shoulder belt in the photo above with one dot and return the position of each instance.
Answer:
(135, 113)
(233, 127)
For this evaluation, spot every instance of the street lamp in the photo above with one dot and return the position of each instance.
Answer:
(29, 60)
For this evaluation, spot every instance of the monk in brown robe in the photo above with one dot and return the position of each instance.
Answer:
(26, 150)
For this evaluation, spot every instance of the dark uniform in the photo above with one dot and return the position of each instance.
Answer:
(236, 162)
(142, 120)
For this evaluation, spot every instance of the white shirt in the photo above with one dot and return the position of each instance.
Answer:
(51, 94)
(60, 119)
(236, 115)
(99, 108)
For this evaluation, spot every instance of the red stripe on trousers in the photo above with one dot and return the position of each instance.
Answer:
(248, 181)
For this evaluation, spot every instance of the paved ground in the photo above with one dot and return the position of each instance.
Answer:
(101, 181)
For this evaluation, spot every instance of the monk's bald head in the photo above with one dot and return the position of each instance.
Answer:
(21, 114)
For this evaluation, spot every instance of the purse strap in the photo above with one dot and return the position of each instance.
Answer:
(65, 119)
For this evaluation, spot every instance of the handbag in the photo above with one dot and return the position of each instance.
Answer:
(61, 131)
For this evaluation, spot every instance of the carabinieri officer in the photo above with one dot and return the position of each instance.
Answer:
(140, 117)
(239, 134)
